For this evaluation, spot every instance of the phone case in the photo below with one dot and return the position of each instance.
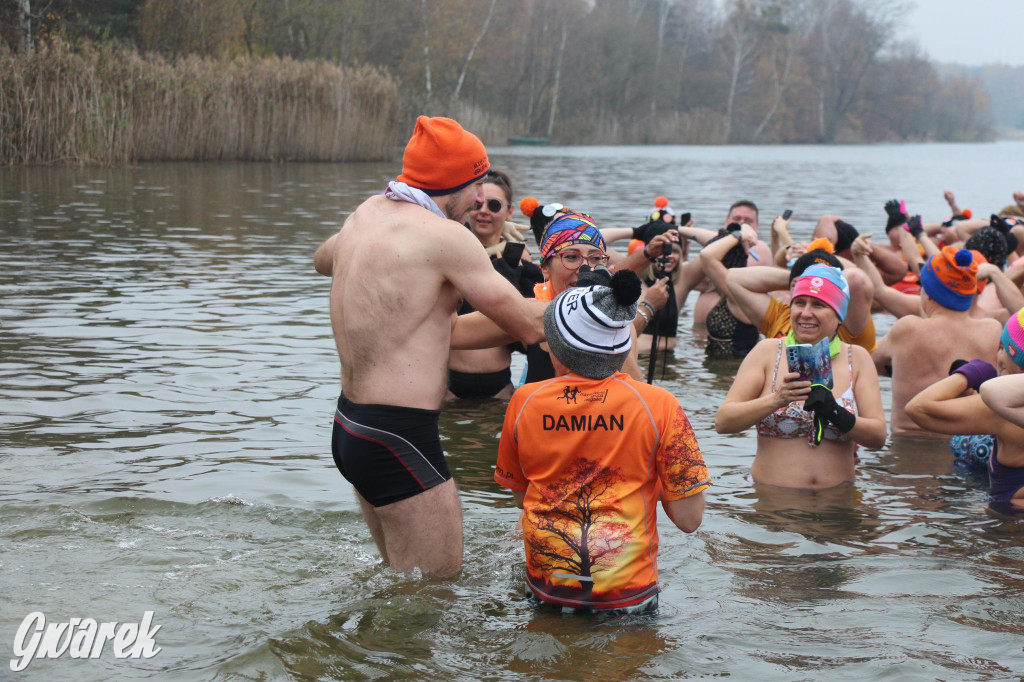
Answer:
(811, 361)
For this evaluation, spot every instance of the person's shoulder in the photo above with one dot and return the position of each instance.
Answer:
(907, 323)
(860, 354)
(765, 347)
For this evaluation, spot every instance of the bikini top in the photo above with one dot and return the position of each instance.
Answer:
(792, 421)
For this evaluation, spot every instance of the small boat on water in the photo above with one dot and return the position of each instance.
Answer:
(527, 140)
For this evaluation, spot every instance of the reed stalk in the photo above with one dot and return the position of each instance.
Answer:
(110, 106)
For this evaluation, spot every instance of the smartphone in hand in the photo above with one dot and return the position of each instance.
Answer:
(811, 361)
(513, 253)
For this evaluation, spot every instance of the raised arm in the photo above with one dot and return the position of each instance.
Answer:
(698, 234)
(641, 258)
(940, 409)
(1009, 294)
(889, 264)
(908, 247)
(1005, 396)
(614, 234)
(749, 288)
(896, 302)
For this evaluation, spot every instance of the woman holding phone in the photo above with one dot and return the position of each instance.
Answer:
(807, 435)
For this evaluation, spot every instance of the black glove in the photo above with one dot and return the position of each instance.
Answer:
(823, 404)
(896, 216)
(522, 276)
(600, 275)
(1001, 224)
(649, 231)
(955, 365)
(914, 225)
(512, 274)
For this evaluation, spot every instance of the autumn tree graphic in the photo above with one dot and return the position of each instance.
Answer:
(575, 527)
(683, 460)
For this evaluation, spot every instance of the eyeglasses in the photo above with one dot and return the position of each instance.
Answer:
(493, 205)
(571, 260)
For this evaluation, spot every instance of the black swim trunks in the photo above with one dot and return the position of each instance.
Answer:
(388, 453)
(478, 385)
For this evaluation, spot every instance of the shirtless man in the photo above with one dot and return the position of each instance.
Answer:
(918, 351)
(742, 212)
(400, 266)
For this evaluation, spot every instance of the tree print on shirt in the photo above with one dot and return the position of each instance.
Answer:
(576, 531)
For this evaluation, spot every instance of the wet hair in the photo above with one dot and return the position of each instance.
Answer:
(736, 257)
(496, 177)
(992, 244)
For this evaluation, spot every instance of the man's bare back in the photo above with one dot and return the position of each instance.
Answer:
(920, 351)
(397, 272)
(398, 267)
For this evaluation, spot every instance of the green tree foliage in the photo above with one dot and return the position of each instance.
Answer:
(585, 71)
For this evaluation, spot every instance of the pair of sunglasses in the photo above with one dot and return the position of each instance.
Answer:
(493, 205)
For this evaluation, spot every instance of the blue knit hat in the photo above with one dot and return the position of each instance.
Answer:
(827, 284)
(950, 278)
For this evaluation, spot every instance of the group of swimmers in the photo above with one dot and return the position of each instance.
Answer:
(574, 449)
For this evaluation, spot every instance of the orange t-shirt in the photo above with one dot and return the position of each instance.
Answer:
(593, 456)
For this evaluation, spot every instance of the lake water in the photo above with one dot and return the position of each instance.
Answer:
(167, 384)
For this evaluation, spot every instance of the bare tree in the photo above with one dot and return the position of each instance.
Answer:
(25, 21)
(558, 79)
(664, 8)
(469, 57)
(847, 43)
(426, 44)
(740, 42)
(782, 41)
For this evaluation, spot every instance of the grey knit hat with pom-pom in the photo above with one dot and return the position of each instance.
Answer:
(587, 327)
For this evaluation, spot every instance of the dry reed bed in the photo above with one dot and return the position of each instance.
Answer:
(112, 106)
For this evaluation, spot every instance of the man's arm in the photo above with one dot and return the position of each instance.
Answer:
(475, 330)
(323, 259)
(463, 263)
(889, 264)
(896, 302)
(614, 234)
(698, 234)
(1009, 295)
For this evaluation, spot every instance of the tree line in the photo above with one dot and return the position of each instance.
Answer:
(577, 71)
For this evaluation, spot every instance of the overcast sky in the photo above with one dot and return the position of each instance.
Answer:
(968, 32)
